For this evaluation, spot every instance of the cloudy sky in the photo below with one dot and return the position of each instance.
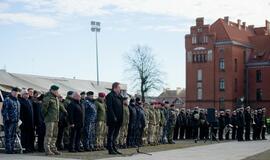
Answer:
(52, 37)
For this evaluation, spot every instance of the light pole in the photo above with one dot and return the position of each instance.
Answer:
(95, 27)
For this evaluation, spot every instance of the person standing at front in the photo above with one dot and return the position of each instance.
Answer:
(114, 117)
(50, 110)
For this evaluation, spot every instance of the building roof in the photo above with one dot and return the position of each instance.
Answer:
(43, 83)
(178, 93)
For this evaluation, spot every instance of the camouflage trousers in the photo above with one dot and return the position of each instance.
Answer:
(89, 135)
(100, 133)
(160, 135)
(122, 138)
(50, 136)
(10, 133)
(151, 133)
(145, 135)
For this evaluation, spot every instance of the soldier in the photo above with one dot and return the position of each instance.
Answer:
(240, 124)
(132, 123)
(234, 124)
(159, 123)
(263, 123)
(227, 119)
(255, 125)
(124, 128)
(101, 121)
(76, 120)
(182, 122)
(171, 123)
(140, 123)
(66, 136)
(62, 124)
(27, 118)
(11, 113)
(203, 125)
(89, 129)
(188, 134)
(145, 130)
(165, 112)
(248, 120)
(50, 110)
(221, 121)
(177, 127)
(152, 126)
(195, 121)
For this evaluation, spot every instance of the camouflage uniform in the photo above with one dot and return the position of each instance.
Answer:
(122, 138)
(152, 126)
(172, 116)
(101, 123)
(67, 101)
(145, 130)
(10, 113)
(50, 110)
(89, 130)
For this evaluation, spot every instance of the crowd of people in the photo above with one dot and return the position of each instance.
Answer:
(80, 123)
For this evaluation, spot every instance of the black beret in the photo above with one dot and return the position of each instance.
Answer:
(82, 93)
(15, 89)
(137, 99)
(69, 93)
(90, 93)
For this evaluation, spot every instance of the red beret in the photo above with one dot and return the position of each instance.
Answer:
(101, 94)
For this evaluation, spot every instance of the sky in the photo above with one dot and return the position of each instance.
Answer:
(53, 37)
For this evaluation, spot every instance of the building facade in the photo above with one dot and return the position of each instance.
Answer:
(224, 61)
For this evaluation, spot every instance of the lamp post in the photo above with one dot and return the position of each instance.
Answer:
(95, 27)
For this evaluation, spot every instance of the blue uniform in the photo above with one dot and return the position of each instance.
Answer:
(10, 113)
(89, 124)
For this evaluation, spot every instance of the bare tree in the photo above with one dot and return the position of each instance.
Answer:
(143, 70)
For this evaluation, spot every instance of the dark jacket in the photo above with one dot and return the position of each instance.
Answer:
(114, 109)
(132, 115)
(248, 118)
(26, 114)
(11, 110)
(140, 123)
(240, 119)
(182, 119)
(76, 113)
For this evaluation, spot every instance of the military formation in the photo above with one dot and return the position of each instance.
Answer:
(78, 123)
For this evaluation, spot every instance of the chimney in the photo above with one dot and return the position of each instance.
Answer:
(200, 21)
(226, 19)
(244, 25)
(239, 24)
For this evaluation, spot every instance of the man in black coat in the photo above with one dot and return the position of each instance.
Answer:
(234, 124)
(240, 124)
(132, 123)
(227, 123)
(76, 117)
(114, 104)
(221, 120)
(182, 120)
(27, 118)
(140, 122)
(248, 120)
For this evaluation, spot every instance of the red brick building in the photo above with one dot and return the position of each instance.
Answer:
(227, 64)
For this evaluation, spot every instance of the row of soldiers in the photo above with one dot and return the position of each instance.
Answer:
(78, 122)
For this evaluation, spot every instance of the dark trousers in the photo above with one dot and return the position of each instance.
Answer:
(10, 134)
(41, 129)
(27, 139)
(195, 132)
(227, 134)
(233, 133)
(75, 137)
(263, 132)
(189, 132)
(131, 136)
(247, 133)
(113, 131)
(176, 132)
(60, 136)
(240, 132)
(214, 133)
(220, 134)
(204, 132)
(182, 132)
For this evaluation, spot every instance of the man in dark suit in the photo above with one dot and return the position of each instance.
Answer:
(114, 117)
(76, 119)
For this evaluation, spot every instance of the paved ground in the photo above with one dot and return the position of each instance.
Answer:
(186, 150)
(222, 151)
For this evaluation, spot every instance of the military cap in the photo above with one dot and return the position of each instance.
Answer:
(54, 87)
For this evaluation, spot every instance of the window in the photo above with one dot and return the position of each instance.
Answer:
(194, 39)
(221, 51)
(199, 84)
(235, 65)
(258, 76)
(221, 64)
(210, 55)
(259, 94)
(221, 102)
(222, 84)
(199, 93)
(199, 29)
(199, 75)
(205, 39)
(235, 85)
(189, 56)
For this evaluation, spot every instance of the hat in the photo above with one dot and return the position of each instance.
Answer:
(69, 93)
(15, 89)
(54, 87)
(125, 98)
(90, 93)
(101, 94)
(82, 93)
(137, 99)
